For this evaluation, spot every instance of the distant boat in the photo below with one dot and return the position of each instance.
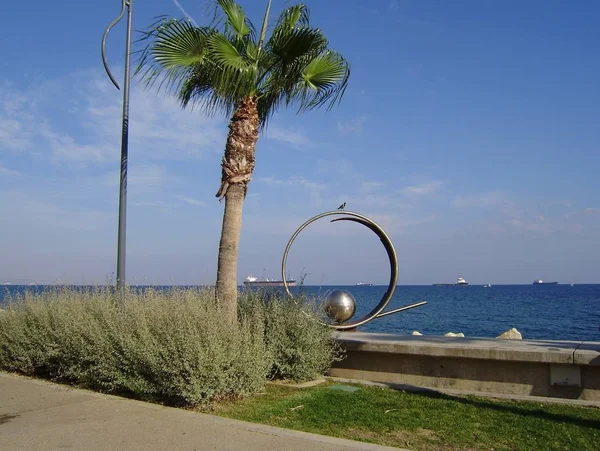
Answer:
(459, 282)
(255, 282)
(363, 284)
(541, 282)
(487, 286)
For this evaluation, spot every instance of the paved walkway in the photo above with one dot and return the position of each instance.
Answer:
(38, 415)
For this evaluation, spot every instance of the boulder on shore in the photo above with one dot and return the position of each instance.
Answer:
(452, 334)
(416, 332)
(511, 334)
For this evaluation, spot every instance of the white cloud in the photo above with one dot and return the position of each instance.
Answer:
(140, 177)
(487, 199)
(315, 189)
(149, 176)
(399, 223)
(370, 200)
(13, 134)
(291, 137)
(15, 119)
(540, 225)
(6, 171)
(518, 216)
(86, 130)
(164, 206)
(292, 181)
(45, 212)
(340, 167)
(423, 189)
(66, 149)
(286, 225)
(359, 190)
(191, 201)
(369, 187)
(272, 225)
(351, 126)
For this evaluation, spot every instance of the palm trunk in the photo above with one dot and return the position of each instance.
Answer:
(237, 167)
(227, 288)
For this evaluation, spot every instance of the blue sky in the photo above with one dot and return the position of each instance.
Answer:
(469, 131)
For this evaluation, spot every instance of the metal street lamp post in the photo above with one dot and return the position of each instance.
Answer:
(126, 5)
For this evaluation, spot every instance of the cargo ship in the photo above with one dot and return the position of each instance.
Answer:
(252, 281)
(460, 282)
(541, 282)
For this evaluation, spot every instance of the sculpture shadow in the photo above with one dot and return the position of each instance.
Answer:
(5, 418)
(514, 409)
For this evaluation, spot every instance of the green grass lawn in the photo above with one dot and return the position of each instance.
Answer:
(421, 421)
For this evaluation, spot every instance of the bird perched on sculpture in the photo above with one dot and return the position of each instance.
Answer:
(341, 207)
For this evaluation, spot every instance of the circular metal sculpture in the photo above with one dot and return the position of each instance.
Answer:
(340, 305)
(377, 312)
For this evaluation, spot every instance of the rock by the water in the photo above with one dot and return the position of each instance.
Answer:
(511, 334)
(452, 334)
(416, 332)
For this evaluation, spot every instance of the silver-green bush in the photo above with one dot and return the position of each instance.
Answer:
(171, 346)
(301, 348)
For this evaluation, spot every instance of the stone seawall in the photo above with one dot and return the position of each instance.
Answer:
(559, 369)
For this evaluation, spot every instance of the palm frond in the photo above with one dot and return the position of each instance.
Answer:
(237, 24)
(236, 73)
(251, 52)
(224, 53)
(289, 45)
(174, 47)
(216, 67)
(263, 29)
(325, 70)
(180, 44)
(267, 104)
(297, 15)
(324, 79)
(298, 67)
(196, 85)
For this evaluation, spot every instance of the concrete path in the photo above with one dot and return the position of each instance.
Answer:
(38, 415)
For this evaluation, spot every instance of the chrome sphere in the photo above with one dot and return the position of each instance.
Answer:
(340, 305)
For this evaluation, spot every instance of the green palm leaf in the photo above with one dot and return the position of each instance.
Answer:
(324, 79)
(251, 52)
(175, 46)
(290, 45)
(220, 65)
(325, 70)
(225, 54)
(297, 15)
(236, 20)
(179, 43)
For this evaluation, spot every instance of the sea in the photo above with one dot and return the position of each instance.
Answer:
(545, 312)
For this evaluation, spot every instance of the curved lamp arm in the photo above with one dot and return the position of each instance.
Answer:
(110, 25)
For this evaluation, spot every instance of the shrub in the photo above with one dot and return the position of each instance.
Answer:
(301, 347)
(172, 346)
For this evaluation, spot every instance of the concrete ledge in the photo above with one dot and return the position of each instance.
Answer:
(588, 353)
(562, 369)
(471, 348)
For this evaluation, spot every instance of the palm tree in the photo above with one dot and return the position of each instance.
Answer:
(227, 68)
